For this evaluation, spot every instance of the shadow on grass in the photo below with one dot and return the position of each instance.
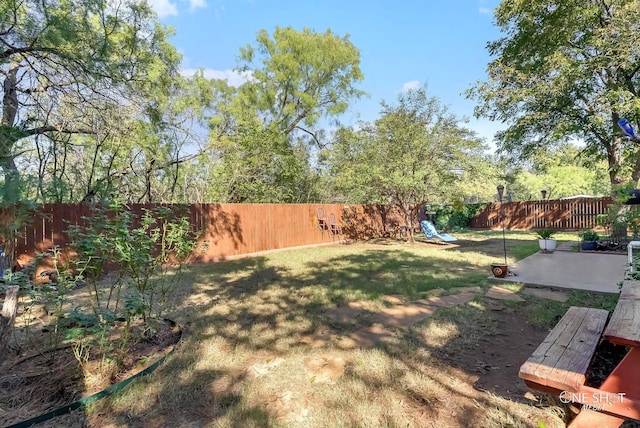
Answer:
(242, 312)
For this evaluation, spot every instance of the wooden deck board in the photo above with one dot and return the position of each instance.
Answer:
(563, 358)
(624, 326)
(592, 419)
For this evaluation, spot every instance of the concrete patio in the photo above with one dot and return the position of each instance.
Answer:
(602, 272)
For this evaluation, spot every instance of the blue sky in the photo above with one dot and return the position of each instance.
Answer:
(403, 43)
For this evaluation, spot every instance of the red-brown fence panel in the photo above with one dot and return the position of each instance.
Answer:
(228, 230)
(567, 214)
(231, 230)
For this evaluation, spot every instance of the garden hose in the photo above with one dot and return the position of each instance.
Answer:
(90, 399)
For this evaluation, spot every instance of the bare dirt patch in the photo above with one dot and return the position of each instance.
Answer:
(37, 382)
(500, 355)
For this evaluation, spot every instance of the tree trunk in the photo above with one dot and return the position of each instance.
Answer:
(406, 210)
(9, 310)
(8, 137)
(10, 190)
(614, 151)
(635, 175)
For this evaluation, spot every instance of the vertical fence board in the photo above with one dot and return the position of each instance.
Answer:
(235, 229)
(572, 214)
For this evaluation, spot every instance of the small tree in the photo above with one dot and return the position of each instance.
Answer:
(408, 157)
(149, 253)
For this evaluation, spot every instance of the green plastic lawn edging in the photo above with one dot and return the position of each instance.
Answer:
(90, 399)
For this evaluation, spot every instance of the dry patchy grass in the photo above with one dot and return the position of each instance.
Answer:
(260, 351)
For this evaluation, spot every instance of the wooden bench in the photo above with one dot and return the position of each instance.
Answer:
(562, 360)
(560, 364)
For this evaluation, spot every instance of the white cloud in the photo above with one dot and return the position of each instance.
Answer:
(196, 4)
(411, 86)
(232, 77)
(484, 10)
(164, 8)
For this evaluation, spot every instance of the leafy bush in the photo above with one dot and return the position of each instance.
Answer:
(148, 252)
(456, 217)
(589, 235)
(545, 233)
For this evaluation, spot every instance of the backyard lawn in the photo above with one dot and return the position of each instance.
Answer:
(376, 334)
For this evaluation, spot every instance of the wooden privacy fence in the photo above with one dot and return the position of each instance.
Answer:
(229, 230)
(569, 214)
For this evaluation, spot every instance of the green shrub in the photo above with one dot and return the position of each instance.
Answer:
(589, 235)
(456, 217)
(148, 252)
(545, 233)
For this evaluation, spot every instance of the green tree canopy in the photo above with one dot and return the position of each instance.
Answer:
(558, 182)
(416, 151)
(74, 68)
(565, 70)
(561, 171)
(262, 132)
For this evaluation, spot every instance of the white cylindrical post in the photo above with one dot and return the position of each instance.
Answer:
(630, 247)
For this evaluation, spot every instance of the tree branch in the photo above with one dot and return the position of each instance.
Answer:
(315, 138)
(51, 128)
(25, 50)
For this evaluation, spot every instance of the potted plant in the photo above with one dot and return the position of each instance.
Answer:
(545, 240)
(500, 270)
(589, 240)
